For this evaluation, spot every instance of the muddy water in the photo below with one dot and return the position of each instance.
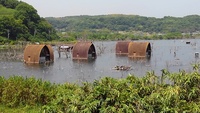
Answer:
(173, 55)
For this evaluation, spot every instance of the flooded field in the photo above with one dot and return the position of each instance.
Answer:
(173, 55)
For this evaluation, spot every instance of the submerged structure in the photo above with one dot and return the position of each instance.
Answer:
(139, 50)
(66, 49)
(84, 51)
(122, 48)
(37, 54)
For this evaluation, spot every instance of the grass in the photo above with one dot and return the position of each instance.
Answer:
(5, 47)
(59, 42)
(27, 109)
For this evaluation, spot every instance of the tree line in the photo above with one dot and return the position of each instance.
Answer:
(20, 21)
(121, 27)
(126, 23)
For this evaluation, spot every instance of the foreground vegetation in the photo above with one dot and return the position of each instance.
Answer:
(170, 92)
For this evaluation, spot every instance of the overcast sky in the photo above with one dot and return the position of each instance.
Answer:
(149, 8)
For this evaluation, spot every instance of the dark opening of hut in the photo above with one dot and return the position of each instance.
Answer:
(139, 49)
(37, 54)
(84, 50)
(122, 48)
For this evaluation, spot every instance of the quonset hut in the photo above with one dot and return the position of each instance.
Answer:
(122, 48)
(84, 51)
(139, 50)
(37, 54)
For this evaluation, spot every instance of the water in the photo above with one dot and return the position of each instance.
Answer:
(173, 55)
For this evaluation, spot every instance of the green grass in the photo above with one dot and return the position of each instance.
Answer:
(27, 109)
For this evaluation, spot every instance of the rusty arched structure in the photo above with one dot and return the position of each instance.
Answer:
(139, 49)
(84, 51)
(36, 54)
(122, 48)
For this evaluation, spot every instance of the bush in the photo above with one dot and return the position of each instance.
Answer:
(4, 40)
(180, 93)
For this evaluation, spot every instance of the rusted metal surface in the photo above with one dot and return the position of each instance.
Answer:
(51, 53)
(34, 53)
(83, 50)
(139, 49)
(122, 48)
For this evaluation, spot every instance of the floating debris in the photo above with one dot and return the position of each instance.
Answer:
(122, 68)
(196, 54)
(188, 42)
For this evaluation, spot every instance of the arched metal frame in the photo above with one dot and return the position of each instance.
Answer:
(139, 49)
(84, 51)
(35, 54)
(51, 53)
(122, 48)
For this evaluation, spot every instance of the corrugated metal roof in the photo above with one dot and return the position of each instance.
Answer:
(139, 49)
(32, 53)
(51, 53)
(122, 48)
(82, 49)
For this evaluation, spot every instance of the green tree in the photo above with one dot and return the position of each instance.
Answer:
(11, 28)
(9, 3)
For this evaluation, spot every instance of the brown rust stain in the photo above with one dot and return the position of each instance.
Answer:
(122, 48)
(81, 50)
(32, 53)
(51, 53)
(139, 49)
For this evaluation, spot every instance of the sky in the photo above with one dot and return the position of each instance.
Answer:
(148, 8)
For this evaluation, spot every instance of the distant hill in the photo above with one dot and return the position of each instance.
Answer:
(190, 23)
(20, 21)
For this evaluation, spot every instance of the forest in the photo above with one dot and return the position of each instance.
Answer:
(122, 27)
(127, 23)
(20, 21)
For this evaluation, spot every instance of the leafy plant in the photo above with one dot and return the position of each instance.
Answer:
(178, 92)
